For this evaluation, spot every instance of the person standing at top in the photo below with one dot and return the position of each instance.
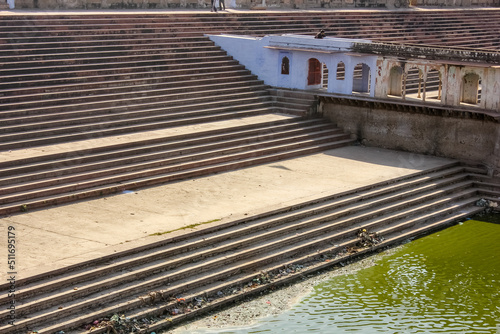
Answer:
(221, 5)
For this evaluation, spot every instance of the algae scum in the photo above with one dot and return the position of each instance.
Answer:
(447, 282)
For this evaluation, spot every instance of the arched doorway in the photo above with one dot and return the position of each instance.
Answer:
(433, 86)
(471, 89)
(361, 78)
(314, 72)
(414, 84)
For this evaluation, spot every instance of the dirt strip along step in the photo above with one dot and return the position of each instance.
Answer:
(190, 267)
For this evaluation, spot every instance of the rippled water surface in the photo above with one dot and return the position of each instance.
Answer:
(447, 282)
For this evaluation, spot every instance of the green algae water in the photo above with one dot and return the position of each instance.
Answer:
(447, 282)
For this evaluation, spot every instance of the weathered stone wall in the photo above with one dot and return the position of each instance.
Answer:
(465, 139)
(299, 4)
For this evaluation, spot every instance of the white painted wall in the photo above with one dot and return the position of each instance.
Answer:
(266, 62)
(250, 52)
(263, 56)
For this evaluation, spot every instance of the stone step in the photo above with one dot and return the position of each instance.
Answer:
(29, 81)
(143, 148)
(143, 110)
(288, 100)
(245, 260)
(73, 56)
(112, 176)
(51, 67)
(140, 103)
(106, 166)
(101, 47)
(314, 206)
(253, 28)
(241, 287)
(383, 35)
(401, 188)
(159, 176)
(388, 19)
(157, 81)
(168, 90)
(178, 115)
(279, 245)
(155, 57)
(293, 93)
(50, 43)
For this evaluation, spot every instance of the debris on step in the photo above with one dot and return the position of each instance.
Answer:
(177, 305)
(367, 239)
(488, 204)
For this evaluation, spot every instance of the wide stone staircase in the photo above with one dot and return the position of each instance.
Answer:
(126, 101)
(74, 94)
(86, 82)
(162, 284)
(58, 178)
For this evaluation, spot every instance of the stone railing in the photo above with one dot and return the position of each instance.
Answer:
(427, 52)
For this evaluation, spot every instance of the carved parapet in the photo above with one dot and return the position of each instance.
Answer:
(426, 52)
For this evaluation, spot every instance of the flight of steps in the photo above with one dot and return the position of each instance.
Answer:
(175, 279)
(70, 81)
(472, 28)
(66, 78)
(68, 176)
(50, 96)
(297, 102)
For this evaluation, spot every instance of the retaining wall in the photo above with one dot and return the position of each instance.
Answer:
(466, 139)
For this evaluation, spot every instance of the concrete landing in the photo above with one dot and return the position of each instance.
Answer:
(67, 234)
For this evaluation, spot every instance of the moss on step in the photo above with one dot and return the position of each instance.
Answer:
(192, 226)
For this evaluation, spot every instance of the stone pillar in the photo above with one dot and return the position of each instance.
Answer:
(451, 86)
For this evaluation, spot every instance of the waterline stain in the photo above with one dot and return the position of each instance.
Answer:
(447, 282)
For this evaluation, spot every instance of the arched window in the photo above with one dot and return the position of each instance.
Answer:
(340, 71)
(471, 89)
(285, 66)
(314, 74)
